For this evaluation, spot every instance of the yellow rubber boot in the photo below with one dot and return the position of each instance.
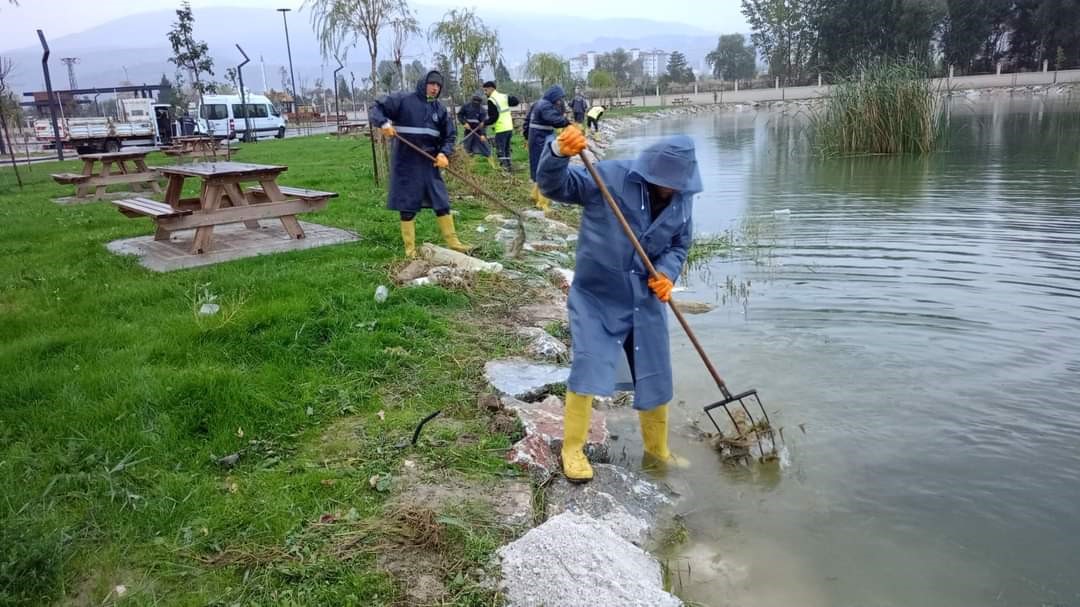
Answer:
(542, 203)
(449, 234)
(654, 434)
(408, 236)
(576, 415)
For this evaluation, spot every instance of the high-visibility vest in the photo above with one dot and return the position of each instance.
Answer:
(595, 111)
(506, 120)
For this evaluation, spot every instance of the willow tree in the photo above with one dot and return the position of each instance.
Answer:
(548, 68)
(342, 24)
(468, 43)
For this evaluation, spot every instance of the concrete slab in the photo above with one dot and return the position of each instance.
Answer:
(230, 242)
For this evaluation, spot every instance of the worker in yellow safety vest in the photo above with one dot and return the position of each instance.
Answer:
(500, 104)
(594, 115)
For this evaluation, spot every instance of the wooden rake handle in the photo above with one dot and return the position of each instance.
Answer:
(614, 206)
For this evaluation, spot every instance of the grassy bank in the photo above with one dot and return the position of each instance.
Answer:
(118, 401)
(889, 108)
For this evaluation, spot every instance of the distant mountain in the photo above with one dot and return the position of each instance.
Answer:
(134, 48)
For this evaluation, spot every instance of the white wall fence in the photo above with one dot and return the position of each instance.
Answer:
(780, 93)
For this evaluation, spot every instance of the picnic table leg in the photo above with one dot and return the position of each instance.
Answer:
(289, 222)
(236, 196)
(124, 170)
(211, 202)
(99, 194)
(173, 190)
(140, 164)
(172, 198)
(81, 191)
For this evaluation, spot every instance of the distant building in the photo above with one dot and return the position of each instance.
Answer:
(654, 62)
(584, 63)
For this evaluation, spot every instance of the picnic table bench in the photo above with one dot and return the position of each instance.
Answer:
(223, 201)
(680, 101)
(346, 128)
(92, 182)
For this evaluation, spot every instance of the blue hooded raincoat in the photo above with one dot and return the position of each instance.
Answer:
(610, 301)
(474, 119)
(544, 117)
(415, 183)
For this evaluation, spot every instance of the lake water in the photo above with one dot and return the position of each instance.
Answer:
(921, 318)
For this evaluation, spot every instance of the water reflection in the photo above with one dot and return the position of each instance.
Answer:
(920, 316)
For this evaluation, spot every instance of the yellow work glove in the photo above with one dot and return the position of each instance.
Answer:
(441, 161)
(570, 142)
(662, 286)
(388, 130)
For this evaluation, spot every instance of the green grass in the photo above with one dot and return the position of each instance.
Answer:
(117, 399)
(889, 108)
(632, 110)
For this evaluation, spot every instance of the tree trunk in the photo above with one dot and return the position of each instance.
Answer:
(11, 150)
(371, 126)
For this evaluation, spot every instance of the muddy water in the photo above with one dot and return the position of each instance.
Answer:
(920, 318)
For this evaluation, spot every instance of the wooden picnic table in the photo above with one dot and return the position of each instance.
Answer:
(223, 201)
(205, 146)
(96, 180)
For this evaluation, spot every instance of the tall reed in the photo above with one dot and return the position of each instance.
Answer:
(889, 107)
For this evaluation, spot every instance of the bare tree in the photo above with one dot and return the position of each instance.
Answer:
(404, 26)
(7, 66)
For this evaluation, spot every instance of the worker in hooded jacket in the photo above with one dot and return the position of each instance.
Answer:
(545, 116)
(616, 310)
(415, 181)
(473, 117)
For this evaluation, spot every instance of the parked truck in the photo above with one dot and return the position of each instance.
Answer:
(141, 123)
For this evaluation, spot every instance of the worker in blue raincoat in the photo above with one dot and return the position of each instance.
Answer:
(616, 310)
(579, 106)
(474, 117)
(543, 118)
(415, 182)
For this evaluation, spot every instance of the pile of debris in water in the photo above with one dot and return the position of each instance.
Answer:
(748, 442)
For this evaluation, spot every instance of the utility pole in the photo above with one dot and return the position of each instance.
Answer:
(262, 63)
(288, 47)
(70, 63)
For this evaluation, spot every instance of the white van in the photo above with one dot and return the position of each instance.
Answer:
(223, 116)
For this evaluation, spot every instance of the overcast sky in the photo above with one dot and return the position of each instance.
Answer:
(62, 17)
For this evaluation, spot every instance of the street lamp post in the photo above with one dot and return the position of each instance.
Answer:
(288, 47)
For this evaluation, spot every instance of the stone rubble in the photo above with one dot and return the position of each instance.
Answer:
(576, 561)
(542, 346)
(523, 379)
(620, 498)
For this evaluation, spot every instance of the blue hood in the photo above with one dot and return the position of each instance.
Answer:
(421, 85)
(554, 94)
(670, 163)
